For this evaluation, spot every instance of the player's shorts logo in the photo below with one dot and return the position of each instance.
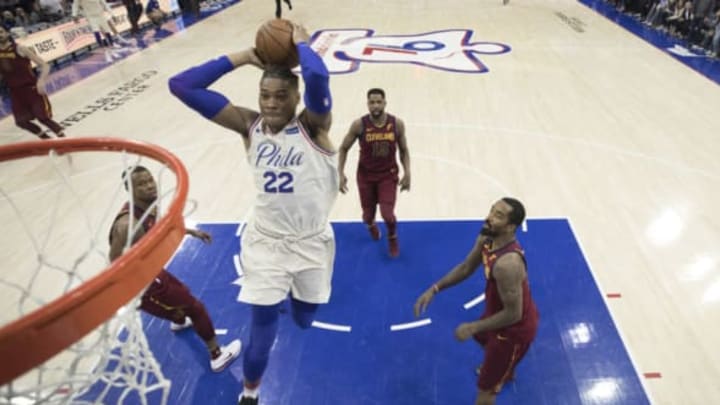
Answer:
(452, 50)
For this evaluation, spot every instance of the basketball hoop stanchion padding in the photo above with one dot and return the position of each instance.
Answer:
(35, 338)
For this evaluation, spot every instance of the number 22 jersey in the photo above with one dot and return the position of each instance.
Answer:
(297, 181)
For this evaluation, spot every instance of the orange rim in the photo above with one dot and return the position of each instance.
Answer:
(33, 339)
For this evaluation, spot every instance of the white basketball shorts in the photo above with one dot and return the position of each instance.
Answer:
(273, 267)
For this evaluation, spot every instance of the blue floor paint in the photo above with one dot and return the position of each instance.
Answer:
(577, 358)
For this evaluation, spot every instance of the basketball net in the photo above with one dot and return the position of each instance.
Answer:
(57, 284)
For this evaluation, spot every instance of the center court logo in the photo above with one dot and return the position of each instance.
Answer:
(343, 50)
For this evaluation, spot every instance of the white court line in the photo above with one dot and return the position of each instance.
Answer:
(446, 219)
(221, 331)
(410, 325)
(243, 223)
(643, 382)
(470, 168)
(219, 222)
(241, 226)
(331, 326)
(581, 142)
(480, 298)
(416, 219)
(238, 267)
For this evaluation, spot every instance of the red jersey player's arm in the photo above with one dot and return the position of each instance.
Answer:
(39, 62)
(118, 237)
(465, 269)
(404, 154)
(347, 143)
(459, 273)
(509, 273)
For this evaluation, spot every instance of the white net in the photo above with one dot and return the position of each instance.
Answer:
(56, 213)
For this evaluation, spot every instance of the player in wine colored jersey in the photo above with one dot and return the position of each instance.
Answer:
(288, 246)
(510, 321)
(28, 96)
(166, 297)
(381, 136)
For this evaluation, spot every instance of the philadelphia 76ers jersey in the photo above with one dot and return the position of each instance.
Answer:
(297, 181)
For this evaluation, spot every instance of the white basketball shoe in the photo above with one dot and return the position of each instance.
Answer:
(227, 355)
(176, 327)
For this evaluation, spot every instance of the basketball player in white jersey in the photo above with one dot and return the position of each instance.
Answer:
(94, 12)
(288, 245)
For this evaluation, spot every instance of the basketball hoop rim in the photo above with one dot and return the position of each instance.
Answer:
(31, 340)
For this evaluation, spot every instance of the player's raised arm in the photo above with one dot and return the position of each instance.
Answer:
(317, 98)
(191, 87)
(118, 237)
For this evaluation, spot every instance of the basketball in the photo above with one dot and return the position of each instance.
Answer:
(274, 44)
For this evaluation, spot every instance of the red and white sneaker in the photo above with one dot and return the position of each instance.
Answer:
(177, 327)
(227, 355)
(249, 401)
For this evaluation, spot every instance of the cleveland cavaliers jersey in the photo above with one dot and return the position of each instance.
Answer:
(526, 327)
(148, 221)
(378, 146)
(297, 181)
(15, 69)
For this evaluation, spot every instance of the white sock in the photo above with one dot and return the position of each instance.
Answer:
(250, 392)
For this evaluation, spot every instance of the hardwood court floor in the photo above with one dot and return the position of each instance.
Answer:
(597, 126)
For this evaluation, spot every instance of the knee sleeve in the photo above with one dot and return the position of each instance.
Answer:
(303, 313)
(262, 336)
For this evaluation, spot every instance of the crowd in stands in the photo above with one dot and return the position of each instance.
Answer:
(23, 17)
(695, 21)
(34, 15)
